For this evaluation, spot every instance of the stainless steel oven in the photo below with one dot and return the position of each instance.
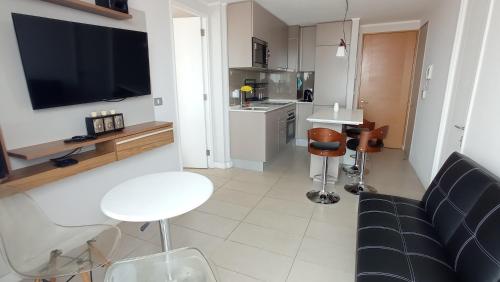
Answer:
(290, 126)
(260, 53)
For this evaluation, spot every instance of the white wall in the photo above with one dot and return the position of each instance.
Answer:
(443, 18)
(75, 200)
(482, 135)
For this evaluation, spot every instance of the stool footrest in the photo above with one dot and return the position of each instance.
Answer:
(319, 197)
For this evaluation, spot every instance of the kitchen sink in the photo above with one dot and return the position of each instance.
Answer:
(255, 108)
(275, 103)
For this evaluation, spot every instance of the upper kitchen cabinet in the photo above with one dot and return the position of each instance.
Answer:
(329, 34)
(293, 47)
(248, 19)
(307, 48)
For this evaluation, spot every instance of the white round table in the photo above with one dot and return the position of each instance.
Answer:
(157, 197)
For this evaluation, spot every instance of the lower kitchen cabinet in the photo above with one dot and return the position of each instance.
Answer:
(258, 136)
(304, 110)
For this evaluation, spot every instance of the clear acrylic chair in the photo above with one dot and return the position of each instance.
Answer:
(36, 248)
(180, 265)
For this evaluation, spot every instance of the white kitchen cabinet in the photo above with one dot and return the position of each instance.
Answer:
(293, 48)
(307, 48)
(331, 33)
(258, 136)
(272, 134)
(248, 132)
(330, 78)
(248, 19)
(304, 110)
(239, 35)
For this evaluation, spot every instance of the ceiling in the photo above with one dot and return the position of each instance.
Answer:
(306, 12)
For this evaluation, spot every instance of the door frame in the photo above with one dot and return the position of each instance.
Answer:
(450, 87)
(206, 78)
(417, 79)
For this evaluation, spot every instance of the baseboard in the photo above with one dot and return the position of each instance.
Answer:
(301, 142)
(249, 165)
(225, 165)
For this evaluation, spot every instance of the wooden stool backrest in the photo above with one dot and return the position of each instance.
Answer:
(367, 124)
(376, 136)
(326, 135)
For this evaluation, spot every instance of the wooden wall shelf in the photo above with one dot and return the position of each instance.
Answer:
(91, 8)
(109, 148)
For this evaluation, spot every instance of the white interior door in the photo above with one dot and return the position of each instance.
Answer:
(190, 90)
(467, 66)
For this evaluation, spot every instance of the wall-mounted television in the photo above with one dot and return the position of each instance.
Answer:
(4, 161)
(68, 63)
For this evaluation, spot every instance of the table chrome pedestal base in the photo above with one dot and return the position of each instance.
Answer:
(357, 188)
(319, 197)
(166, 243)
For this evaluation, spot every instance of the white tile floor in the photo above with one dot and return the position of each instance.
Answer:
(260, 226)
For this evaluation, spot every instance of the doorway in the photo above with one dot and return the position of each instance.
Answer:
(467, 67)
(191, 71)
(386, 77)
(415, 89)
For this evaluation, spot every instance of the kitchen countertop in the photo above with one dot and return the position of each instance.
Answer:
(270, 108)
(343, 116)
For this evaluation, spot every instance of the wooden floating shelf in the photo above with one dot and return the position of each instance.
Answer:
(56, 147)
(91, 8)
(109, 148)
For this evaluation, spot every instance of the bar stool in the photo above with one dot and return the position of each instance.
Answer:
(325, 143)
(353, 132)
(369, 142)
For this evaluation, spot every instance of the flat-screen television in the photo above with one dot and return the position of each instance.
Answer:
(68, 63)
(4, 166)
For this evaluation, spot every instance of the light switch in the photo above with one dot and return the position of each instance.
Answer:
(158, 101)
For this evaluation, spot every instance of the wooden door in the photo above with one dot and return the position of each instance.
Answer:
(386, 76)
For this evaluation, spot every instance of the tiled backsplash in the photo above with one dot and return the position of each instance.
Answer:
(281, 85)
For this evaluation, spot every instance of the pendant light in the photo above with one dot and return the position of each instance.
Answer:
(342, 50)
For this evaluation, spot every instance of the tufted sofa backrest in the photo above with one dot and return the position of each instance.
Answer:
(463, 204)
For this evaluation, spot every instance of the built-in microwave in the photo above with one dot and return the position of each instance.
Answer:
(260, 53)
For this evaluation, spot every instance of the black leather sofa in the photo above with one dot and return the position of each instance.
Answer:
(452, 234)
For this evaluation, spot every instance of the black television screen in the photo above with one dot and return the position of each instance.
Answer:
(67, 63)
(4, 168)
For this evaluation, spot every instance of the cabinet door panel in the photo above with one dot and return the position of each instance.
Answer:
(330, 79)
(239, 35)
(307, 48)
(331, 33)
(304, 110)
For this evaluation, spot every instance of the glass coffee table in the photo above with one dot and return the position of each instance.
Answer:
(181, 265)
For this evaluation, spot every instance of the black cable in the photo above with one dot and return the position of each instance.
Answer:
(345, 17)
(77, 150)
